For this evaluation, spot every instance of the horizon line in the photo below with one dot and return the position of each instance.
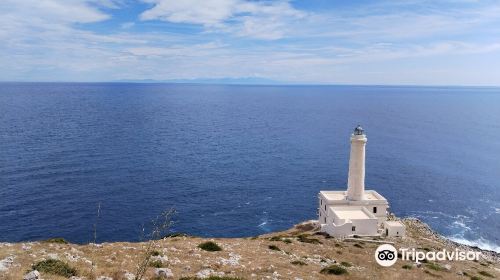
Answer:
(246, 84)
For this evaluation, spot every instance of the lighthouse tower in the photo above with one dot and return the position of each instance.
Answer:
(356, 180)
(356, 211)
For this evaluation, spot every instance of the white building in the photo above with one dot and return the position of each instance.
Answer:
(394, 229)
(356, 211)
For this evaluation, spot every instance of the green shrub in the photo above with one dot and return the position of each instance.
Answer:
(156, 263)
(58, 240)
(407, 266)
(280, 238)
(346, 264)
(175, 234)
(210, 246)
(155, 253)
(304, 238)
(298, 262)
(223, 278)
(334, 269)
(485, 273)
(431, 274)
(55, 267)
(434, 266)
(476, 278)
(274, 248)
(212, 278)
(358, 245)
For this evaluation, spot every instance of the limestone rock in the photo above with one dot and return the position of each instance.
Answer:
(162, 259)
(129, 276)
(6, 263)
(233, 260)
(205, 273)
(164, 272)
(33, 275)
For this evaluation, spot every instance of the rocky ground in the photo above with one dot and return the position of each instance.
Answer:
(298, 253)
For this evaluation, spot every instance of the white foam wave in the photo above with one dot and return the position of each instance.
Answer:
(424, 214)
(461, 225)
(480, 243)
(262, 224)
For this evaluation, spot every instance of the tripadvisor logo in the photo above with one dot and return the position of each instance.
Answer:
(387, 255)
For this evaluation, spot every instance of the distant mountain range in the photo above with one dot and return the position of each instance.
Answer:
(226, 81)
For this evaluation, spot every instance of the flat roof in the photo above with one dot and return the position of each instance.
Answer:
(370, 195)
(348, 214)
(394, 223)
(334, 195)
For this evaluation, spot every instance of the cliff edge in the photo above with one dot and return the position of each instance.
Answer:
(298, 253)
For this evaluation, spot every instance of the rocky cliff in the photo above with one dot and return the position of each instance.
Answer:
(298, 253)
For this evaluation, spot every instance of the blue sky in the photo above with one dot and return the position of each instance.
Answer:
(319, 42)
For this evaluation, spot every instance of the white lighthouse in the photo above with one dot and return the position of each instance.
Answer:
(356, 211)
(356, 180)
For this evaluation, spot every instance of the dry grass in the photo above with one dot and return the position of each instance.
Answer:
(241, 257)
(159, 227)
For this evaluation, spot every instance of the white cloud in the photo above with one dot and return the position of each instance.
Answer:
(208, 12)
(53, 11)
(257, 19)
(127, 25)
(111, 4)
(402, 21)
(196, 50)
(48, 40)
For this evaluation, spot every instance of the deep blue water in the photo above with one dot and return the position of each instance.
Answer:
(240, 160)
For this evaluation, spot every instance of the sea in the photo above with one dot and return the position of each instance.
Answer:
(240, 160)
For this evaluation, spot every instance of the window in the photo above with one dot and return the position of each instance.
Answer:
(353, 228)
(374, 209)
(325, 207)
(321, 201)
(325, 220)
